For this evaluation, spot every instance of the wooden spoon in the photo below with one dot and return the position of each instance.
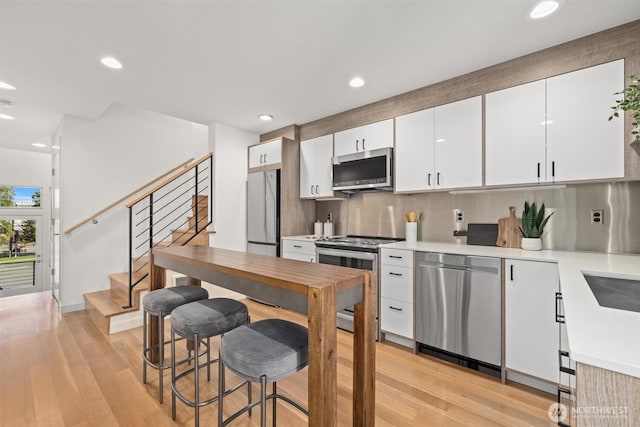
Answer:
(412, 217)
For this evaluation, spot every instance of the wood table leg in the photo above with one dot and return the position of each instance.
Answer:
(364, 355)
(323, 362)
(157, 277)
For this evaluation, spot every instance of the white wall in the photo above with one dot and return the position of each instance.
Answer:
(102, 161)
(30, 169)
(229, 146)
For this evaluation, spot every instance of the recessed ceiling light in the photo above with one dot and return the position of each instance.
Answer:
(111, 62)
(356, 82)
(544, 8)
(39, 144)
(6, 117)
(265, 117)
(6, 86)
(5, 103)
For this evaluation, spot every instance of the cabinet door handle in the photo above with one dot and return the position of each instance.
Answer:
(395, 308)
(265, 158)
(511, 271)
(261, 155)
(297, 246)
(538, 169)
(312, 189)
(559, 317)
(395, 274)
(565, 369)
(438, 178)
(317, 189)
(429, 180)
(363, 143)
(357, 142)
(553, 169)
(395, 256)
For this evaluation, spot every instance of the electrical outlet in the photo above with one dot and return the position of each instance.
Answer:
(597, 216)
(459, 216)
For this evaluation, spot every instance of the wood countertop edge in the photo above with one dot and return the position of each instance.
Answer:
(301, 286)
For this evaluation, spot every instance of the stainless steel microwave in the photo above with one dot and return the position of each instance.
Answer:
(364, 170)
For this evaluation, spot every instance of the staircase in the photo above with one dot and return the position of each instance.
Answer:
(184, 222)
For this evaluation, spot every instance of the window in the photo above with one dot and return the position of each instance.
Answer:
(19, 197)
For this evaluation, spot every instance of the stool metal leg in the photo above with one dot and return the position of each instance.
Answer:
(263, 401)
(208, 358)
(274, 401)
(221, 387)
(144, 347)
(173, 373)
(161, 356)
(196, 367)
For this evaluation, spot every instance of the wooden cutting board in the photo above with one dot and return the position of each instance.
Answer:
(509, 230)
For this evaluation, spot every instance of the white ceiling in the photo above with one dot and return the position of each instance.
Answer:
(227, 61)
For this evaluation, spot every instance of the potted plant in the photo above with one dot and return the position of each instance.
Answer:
(630, 102)
(533, 222)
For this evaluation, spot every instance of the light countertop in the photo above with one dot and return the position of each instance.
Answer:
(603, 337)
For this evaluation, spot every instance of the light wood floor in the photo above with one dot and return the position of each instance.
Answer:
(62, 371)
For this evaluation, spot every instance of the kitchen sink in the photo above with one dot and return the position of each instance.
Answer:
(615, 292)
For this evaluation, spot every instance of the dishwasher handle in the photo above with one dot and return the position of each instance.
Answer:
(441, 266)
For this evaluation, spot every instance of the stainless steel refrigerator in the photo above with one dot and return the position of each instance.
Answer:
(263, 213)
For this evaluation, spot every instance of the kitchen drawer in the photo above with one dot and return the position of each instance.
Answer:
(398, 257)
(299, 257)
(397, 317)
(396, 283)
(299, 247)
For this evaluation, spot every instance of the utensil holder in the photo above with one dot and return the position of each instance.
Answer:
(411, 234)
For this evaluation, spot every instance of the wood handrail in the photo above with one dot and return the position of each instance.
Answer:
(168, 180)
(122, 199)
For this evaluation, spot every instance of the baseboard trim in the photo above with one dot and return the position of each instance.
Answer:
(68, 308)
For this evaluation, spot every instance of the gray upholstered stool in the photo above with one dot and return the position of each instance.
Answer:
(161, 303)
(199, 320)
(264, 352)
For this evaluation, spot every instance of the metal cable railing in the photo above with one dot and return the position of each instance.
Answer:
(171, 214)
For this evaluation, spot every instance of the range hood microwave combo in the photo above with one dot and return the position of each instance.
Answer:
(364, 170)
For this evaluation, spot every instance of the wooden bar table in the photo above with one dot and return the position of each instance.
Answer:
(317, 290)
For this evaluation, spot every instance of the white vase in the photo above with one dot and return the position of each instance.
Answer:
(531, 244)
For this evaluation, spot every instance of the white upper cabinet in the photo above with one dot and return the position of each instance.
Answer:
(364, 138)
(515, 135)
(440, 147)
(458, 144)
(265, 154)
(414, 151)
(581, 142)
(556, 129)
(315, 167)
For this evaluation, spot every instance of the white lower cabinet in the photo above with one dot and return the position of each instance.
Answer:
(299, 249)
(397, 317)
(531, 331)
(396, 292)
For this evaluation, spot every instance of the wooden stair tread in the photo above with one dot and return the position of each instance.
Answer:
(109, 302)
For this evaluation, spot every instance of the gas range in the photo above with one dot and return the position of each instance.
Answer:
(356, 243)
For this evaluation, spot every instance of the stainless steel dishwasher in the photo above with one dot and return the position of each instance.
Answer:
(458, 308)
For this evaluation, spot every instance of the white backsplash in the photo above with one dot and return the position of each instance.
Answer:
(570, 228)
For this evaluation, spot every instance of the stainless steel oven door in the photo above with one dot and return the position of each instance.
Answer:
(352, 259)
